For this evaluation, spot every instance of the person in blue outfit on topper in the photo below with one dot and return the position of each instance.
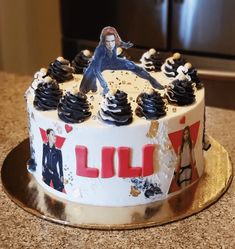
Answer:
(105, 58)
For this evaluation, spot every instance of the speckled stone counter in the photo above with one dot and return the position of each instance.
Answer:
(211, 228)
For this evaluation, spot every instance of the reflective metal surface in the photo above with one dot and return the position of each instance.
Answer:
(203, 26)
(21, 187)
(144, 23)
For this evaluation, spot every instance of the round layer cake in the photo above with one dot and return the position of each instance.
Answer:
(97, 162)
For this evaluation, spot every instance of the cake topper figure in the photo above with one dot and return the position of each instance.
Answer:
(105, 58)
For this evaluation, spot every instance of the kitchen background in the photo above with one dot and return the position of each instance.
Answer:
(34, 33)
(30, 35)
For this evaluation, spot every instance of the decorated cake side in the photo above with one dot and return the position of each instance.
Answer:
(114, 133)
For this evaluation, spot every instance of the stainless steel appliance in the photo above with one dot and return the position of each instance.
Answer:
(201, 26)
(195, 27)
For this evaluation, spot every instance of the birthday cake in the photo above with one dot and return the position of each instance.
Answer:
(105, 131)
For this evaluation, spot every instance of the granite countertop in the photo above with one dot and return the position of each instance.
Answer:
(211, 228)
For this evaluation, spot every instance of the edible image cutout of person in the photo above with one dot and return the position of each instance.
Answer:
(186, 171)
(52, 169)
(105, 58)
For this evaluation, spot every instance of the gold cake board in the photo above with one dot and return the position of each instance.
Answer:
(22, 189)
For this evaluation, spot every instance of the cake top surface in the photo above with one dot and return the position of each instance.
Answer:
(125, 81)
(104, 73)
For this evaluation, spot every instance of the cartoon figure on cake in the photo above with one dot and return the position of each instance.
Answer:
(52, 170)
(185, 172)
(105, 58)
(149, 187)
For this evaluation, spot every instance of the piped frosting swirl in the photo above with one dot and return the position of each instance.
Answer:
(192, 73)
(169, 68)
(81, 61)
(47, 95)
(74, 108)
(115, 109)
(151, 60)
(181, 92)
(151, 105)
(39, 77)
(60, 70)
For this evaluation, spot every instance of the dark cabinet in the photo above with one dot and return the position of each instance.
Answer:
(143, 22)
(189, 26)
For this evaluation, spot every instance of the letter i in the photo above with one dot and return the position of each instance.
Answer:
(148, 163)
(107, 169)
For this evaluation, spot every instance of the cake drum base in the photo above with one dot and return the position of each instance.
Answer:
(22, 188)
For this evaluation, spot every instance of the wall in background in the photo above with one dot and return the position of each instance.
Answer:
(30, 35)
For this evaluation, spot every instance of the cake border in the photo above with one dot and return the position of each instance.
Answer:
(26, 193)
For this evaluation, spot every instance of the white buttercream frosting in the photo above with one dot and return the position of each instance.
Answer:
(95, 135)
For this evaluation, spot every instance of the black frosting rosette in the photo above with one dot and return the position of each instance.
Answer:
(74, 108)
(192, 73)
(47, 95)
(81, 61)
(169, 68)
(181, 92)
(115, 109)
(60, 70)
(152, 60)
(151, 105)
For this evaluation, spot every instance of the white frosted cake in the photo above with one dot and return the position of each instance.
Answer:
(120, 144)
